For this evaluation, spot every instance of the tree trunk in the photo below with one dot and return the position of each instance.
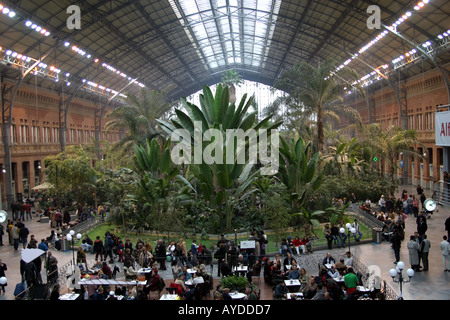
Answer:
(319, 128)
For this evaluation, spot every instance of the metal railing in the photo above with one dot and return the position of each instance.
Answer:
(442, 192)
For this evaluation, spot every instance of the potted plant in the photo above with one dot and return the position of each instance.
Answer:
(235, 283)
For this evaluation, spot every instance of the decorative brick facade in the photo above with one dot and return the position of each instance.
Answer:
(35, 133)
(423, 93)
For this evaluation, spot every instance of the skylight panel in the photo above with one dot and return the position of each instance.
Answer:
(251, 20)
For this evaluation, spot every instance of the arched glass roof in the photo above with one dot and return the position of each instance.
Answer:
(181, 45)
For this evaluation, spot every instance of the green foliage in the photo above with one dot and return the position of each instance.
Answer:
(367, 185)
(221, 184)
(299, 171)
(235, 283)
(71, 174)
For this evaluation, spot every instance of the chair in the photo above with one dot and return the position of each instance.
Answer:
(175, 288)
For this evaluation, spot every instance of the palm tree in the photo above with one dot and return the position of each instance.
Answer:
(232, 78)
(317, 87)
(137, 117)
(388, 143)
(345, 154)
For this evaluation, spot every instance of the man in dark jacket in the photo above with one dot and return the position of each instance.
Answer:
(396, 244)
(160, 252)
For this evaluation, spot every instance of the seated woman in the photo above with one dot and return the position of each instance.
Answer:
(297, 245)
(306, 245)
(304, 278)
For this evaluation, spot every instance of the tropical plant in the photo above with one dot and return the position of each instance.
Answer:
(70, 173)
(136, 118)
(309, 220)
(316, 87)
(346, 156)
(223, 181)
(387, 143)
(299, 171)
(156, 180)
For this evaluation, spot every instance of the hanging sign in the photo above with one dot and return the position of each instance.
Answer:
(442, 128)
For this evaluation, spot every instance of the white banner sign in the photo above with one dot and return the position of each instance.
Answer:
(442, 128)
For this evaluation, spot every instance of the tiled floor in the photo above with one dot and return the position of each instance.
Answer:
(431, 285)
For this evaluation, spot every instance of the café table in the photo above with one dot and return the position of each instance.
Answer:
(293, 284)
(69, 296)
(362, 289)
(168, 296)
(240, 270)
(191, 282)
(144, 270)
(297, 295)
(237, 295)
(328, 265)
(192, 270)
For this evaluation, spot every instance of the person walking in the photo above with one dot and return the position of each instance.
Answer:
(16, 237)
(396, 245)
(424, 251)
(445, 250)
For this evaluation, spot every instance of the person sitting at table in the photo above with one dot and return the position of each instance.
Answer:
(293, 273)
(311, 288)
(111, 296)
(304, 277)
(277, 262)
(226, 294)
(152, 282)
(348, 260)
(187, 275)
(250, 294)
(99, 294)
(197, 278)
(106, 270)
(328, 259)
(176, 269)
(341, 267)
(319, 293)
(180, 280)
(241, 261)
(333, 272)
(130, 273)
(281, 291)
(287, 261)
(267, 270)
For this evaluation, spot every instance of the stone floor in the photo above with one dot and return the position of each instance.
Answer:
(431, 285)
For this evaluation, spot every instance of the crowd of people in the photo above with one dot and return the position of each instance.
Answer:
(190, 264)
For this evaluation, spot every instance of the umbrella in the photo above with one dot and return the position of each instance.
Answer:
(29, 255)
(43, 186)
